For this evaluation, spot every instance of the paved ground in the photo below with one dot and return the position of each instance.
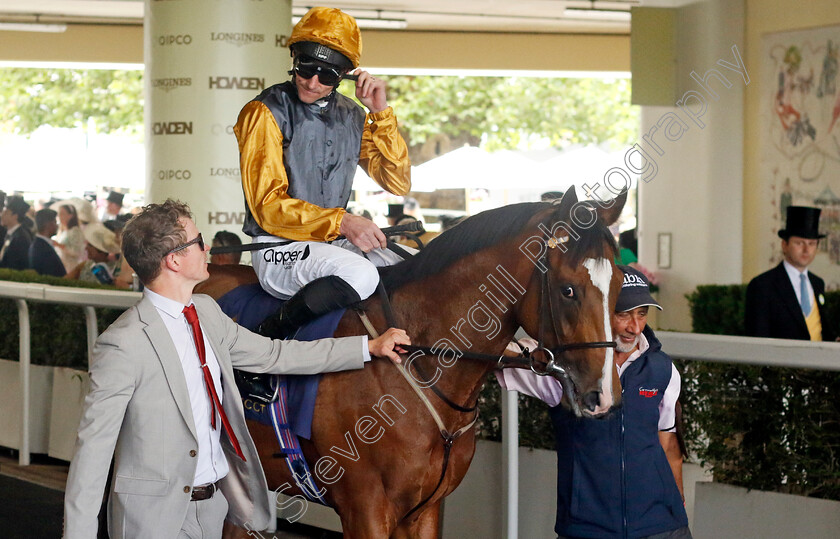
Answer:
(32, 502)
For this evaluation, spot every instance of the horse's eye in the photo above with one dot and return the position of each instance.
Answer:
(567, 291)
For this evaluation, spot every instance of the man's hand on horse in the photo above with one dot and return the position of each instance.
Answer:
(363, 233)
(388, 344)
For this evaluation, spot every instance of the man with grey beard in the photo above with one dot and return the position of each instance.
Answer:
(615, 480)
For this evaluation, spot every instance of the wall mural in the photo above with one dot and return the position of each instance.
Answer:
(800, 112)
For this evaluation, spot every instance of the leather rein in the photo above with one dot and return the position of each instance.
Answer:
(525, 359)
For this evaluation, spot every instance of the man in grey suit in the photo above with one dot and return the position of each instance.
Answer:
(183, 458)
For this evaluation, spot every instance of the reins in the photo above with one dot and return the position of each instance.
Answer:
(415, 226)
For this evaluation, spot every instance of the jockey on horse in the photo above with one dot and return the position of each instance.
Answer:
(299, 144)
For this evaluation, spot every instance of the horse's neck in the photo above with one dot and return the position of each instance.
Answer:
(467, 308)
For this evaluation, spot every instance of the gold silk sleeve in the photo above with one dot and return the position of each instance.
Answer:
(384, 155)
(265, 183)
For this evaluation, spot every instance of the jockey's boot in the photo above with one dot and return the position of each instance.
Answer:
(313, 300)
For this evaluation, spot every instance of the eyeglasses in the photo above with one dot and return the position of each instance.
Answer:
(198, 239)
(307, 68)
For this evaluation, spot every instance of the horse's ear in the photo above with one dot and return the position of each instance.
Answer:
(567, 202)
(609, 215)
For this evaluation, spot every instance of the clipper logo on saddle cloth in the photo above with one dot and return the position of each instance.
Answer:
(648, 392)
(287, 258)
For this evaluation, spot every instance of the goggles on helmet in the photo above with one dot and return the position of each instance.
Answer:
(307, 68)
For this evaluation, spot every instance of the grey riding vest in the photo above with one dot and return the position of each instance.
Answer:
(320, 147)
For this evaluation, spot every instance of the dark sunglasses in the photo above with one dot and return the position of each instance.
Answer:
(198, 239)
(307, 69)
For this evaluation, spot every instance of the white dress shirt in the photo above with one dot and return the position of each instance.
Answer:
(212, 464)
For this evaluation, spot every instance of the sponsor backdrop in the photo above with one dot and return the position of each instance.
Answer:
(204, 60)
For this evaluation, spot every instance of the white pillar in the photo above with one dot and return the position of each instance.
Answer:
(204, 61)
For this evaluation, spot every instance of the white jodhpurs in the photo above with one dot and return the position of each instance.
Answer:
(284, 270)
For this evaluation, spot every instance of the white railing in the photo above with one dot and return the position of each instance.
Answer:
(87, 298)
(691, 346)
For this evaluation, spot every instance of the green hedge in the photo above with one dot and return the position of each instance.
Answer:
(760, 427)
(58, 332)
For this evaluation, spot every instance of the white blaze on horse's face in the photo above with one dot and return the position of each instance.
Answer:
(600, 272)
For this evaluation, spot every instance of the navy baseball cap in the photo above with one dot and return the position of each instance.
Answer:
(635, 291)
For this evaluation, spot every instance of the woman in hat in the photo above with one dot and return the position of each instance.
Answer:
(100, 266)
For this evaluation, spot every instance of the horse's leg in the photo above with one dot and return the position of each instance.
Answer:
(425, 526)
(367, 517)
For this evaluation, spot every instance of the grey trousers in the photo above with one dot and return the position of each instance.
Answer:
(205, 518)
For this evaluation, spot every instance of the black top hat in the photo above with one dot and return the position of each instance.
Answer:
(803, 222)
(635, 291)
(395, 210)
(17, 205)
(116, 198)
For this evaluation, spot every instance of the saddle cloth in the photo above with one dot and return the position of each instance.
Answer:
(249, 305)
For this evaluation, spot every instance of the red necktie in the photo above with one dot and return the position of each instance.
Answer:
(192, 318)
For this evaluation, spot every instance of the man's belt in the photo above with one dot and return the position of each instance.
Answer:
(204, 492)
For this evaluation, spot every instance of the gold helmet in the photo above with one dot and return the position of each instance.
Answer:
(332, 28)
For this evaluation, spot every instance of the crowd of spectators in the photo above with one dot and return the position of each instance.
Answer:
(64, 239)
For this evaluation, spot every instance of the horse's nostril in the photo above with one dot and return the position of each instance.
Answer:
(591, 400)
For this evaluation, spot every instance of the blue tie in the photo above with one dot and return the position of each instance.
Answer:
(804, 296)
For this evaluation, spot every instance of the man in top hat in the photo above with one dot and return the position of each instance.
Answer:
(299, 145)
(395, 213)
(787, 302)
(621, 475)
(113, 206)
(15, 251)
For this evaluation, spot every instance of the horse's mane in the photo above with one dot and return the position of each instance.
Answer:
(487, 229)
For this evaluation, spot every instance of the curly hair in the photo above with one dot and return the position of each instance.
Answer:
(150, 235)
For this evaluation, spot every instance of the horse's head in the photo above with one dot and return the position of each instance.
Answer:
(571, 298)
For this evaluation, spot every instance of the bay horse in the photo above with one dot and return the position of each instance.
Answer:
(545, 267)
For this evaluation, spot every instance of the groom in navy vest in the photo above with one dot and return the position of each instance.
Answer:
(620, 476)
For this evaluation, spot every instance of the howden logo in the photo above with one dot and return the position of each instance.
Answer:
(237, 83)
(225, 218)
(172, 128)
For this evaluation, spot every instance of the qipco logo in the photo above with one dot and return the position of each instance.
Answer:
(174, 174)
(174, 39)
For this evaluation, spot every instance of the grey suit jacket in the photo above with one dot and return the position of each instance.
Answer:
(138, 410)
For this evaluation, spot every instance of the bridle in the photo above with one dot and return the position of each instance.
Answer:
(552, 368)
(525, 359)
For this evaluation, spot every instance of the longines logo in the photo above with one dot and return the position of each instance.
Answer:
(225, 218)
(237, 83)
(173, 174)
(226, 173)
(172, 128)
(170, 39)
(237, 38)
(219, 129)
(171, 84)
